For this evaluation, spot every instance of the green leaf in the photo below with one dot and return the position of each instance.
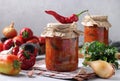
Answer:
(16, 64)
(25, 34)
(26, 54)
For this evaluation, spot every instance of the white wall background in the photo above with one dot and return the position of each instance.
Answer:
(30, 13)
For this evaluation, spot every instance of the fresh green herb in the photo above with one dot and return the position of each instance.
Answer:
(99, 51)
(84, 48)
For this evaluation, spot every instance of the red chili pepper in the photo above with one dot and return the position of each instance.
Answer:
(65, 20)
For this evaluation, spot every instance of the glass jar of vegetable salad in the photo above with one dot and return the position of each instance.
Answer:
(96, 28)
(61, 46)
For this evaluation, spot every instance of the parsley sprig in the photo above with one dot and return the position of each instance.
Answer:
(99, 51)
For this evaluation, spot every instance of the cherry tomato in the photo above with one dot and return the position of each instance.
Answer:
(15, 50)
(30, 47)
(1, 46)
(42, 40)
(26, 33)
(8, 44)
(27, 59)
(34, 40)
(18, 40)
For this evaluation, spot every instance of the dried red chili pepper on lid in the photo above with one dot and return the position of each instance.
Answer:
(57, 16)
(65, 20)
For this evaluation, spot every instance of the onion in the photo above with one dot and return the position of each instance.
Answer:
(9, 31)
(102, 68)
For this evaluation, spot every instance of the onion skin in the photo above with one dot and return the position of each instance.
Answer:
(102, 68)
(9, 31)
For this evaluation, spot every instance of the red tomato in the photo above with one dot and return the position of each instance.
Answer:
(27, 59)
(15, 50)
(35, 37)
(1, 46)
(26, 33)
(34, 40)
(18, 40)
(8, 44)
(30, 47)
(42, 40)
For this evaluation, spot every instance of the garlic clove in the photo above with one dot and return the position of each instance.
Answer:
(102, 68)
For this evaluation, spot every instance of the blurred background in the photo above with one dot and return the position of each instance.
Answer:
(30, 13)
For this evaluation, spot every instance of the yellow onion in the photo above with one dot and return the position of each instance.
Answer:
(9, 31)
(102, 68)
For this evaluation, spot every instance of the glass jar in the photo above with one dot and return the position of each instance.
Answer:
(96, 28)
(95, 33)
(61, 54)
(61, 46)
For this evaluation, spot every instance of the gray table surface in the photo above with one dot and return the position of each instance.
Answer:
(23, 77)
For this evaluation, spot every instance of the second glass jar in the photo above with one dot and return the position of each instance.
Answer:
(94, 33)
(96, 28)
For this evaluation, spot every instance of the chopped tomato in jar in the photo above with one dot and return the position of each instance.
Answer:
(94, 33)
(61, 54)
(96, 28)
